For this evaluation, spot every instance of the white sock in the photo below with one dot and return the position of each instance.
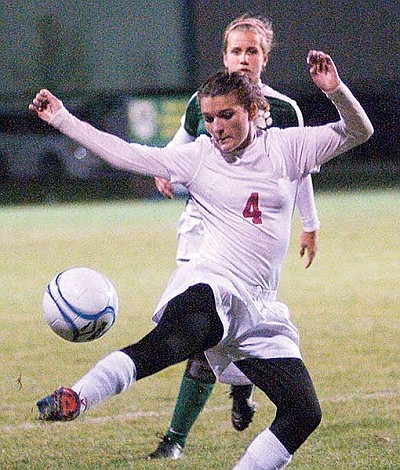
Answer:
(266, 452)
(111, 375)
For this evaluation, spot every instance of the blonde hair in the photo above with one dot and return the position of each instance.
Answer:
(246, 22)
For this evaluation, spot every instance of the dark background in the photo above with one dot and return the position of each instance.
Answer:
(95, 54)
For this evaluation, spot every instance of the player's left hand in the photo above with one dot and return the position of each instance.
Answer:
(45, 105)
(308, 243)
(165, 187)
(323, 71)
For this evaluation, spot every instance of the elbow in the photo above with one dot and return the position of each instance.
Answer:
(368, 131)
(365, 133)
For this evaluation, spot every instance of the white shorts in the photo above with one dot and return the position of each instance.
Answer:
(255, 325)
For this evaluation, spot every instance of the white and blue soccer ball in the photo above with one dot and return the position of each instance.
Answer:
(80, 304)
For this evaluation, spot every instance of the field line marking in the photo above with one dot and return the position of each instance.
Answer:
(211, 409)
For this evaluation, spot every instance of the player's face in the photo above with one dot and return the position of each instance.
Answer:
(228, 122)
(244, 54)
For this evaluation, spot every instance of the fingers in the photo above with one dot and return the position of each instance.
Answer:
(317, 57)
(319, 62)
(309, 244)
(165, 187)
(311, 257)
(40, 102)
(323, 71)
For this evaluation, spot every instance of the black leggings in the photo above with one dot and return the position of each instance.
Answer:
(190, 325)
(287, 383)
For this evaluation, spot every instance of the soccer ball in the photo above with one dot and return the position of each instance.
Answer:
(80, 304)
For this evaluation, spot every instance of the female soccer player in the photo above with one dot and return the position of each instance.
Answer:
(247, 43)
(240, 179)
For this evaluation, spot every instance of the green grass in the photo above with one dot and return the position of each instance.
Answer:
(346, 307)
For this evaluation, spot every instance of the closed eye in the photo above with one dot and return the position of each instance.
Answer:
(225, 114)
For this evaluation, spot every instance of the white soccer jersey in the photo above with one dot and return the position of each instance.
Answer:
(246, 204)
(228, 191)
(190, 226)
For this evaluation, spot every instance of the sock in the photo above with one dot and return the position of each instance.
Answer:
(266, 452)
(111, 375)
(193, 395)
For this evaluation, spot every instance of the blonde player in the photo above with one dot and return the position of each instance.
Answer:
(241, 180)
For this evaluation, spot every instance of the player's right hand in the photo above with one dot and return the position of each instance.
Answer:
(45, 105)
(165, 187)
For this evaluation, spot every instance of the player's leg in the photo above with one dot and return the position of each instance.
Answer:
(243, 407)
(288, 384)
(196, 387)
(198, 380)
(190, 324)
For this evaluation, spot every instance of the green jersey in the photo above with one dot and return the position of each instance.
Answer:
(284, 112)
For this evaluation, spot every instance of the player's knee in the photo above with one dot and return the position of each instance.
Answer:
(314, 416)
(308, 418)
(199, 369)
(295, 425)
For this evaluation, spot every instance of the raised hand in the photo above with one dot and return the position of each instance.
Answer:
(45, 105)
(323, 71)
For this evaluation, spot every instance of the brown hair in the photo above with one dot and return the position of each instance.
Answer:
(224, 83)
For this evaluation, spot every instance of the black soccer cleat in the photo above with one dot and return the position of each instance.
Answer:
(167, 449)
(243, 408)
(62, 405)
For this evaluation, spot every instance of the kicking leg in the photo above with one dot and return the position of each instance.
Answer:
(189, 325)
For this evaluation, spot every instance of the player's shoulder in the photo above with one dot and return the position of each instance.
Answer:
(194, 123)
(285, 111)
(193, 102)
(270, 92)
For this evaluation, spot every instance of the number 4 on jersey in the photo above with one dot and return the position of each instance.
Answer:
(251, 209)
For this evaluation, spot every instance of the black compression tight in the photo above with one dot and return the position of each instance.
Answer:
(190, 324)
(288, 385)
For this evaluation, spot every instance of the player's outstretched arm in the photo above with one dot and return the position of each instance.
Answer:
(354, 126)
(114, 150)
(46, 105)
(323, 71)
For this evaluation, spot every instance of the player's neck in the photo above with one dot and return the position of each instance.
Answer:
(238, 152)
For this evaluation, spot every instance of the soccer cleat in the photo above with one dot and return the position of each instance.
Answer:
(62, 405)
(243, 407)
(167, 449)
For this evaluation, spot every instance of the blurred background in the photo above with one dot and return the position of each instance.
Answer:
(129, 67)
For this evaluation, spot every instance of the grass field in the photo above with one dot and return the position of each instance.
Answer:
(346, 307)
